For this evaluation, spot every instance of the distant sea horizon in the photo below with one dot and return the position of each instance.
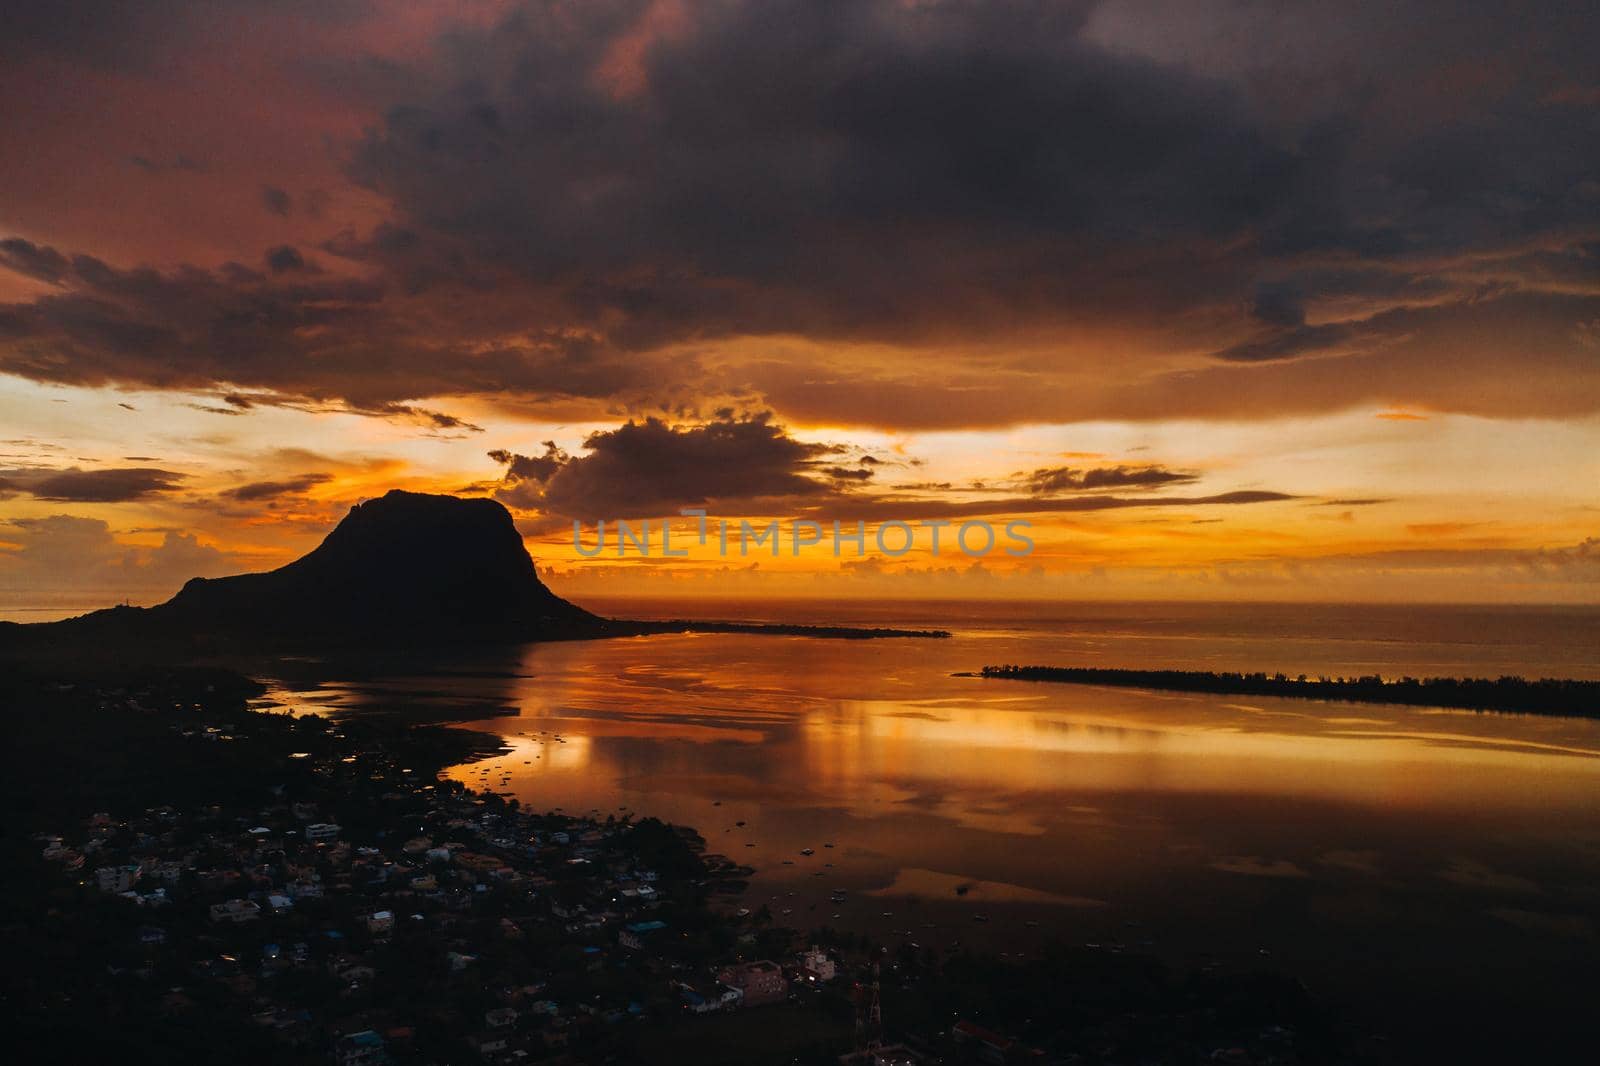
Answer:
(1328, 638)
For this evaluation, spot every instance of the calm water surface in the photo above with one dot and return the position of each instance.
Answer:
(1379, 851)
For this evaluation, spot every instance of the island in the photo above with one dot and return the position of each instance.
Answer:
(1513, 695)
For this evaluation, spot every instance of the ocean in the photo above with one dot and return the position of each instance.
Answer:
(1407, 863)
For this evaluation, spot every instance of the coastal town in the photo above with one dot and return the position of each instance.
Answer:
(534, 932)
(339, 900)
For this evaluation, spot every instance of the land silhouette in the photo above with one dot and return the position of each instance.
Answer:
(1553, 696)
(403, 570)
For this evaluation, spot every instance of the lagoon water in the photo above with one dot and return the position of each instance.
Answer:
(1407, 863)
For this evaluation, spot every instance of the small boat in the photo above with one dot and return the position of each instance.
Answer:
(743, 912)
(807, 851)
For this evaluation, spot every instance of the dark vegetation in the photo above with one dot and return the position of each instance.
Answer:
(1579, 699)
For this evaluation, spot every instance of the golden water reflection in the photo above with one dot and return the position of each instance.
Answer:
(1352, 841)
(903, 781)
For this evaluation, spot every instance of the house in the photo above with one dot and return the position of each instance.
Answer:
(500, 1017)
(634, 935)
(380, 923)
(816, 967)
(359, 1049)
(480, 866)
(352, 971)
(236, 911)
(59, 852)
(695, 1003)
(118, 878)
(488, 1044)
(723, 998)
(279, 904)
(304, 889)
(760, 982)
(640, 895)
(990, 1046)
(323, 831)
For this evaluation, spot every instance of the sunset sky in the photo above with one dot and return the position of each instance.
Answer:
(1243, 300)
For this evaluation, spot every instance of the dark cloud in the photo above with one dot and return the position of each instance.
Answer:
(652, 468)
(1296, 341)
(123, 36)
(1279, 305)
(538, 468)
(271, 490)
(952, 161)
(883, 508)
(33, 261)
(112, 485)
(749, 465)
(286, 259)
(1221, 189)
(1049, 480)
(276, 200)
(1474, 336)
(292, 337)
(906, 164)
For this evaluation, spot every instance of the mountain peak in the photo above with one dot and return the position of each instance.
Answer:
(402, 564)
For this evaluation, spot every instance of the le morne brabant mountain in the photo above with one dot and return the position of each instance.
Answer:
(404, 565)
(403, 569)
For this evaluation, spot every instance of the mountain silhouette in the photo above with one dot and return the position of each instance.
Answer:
(406, 567)
(404, 571)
